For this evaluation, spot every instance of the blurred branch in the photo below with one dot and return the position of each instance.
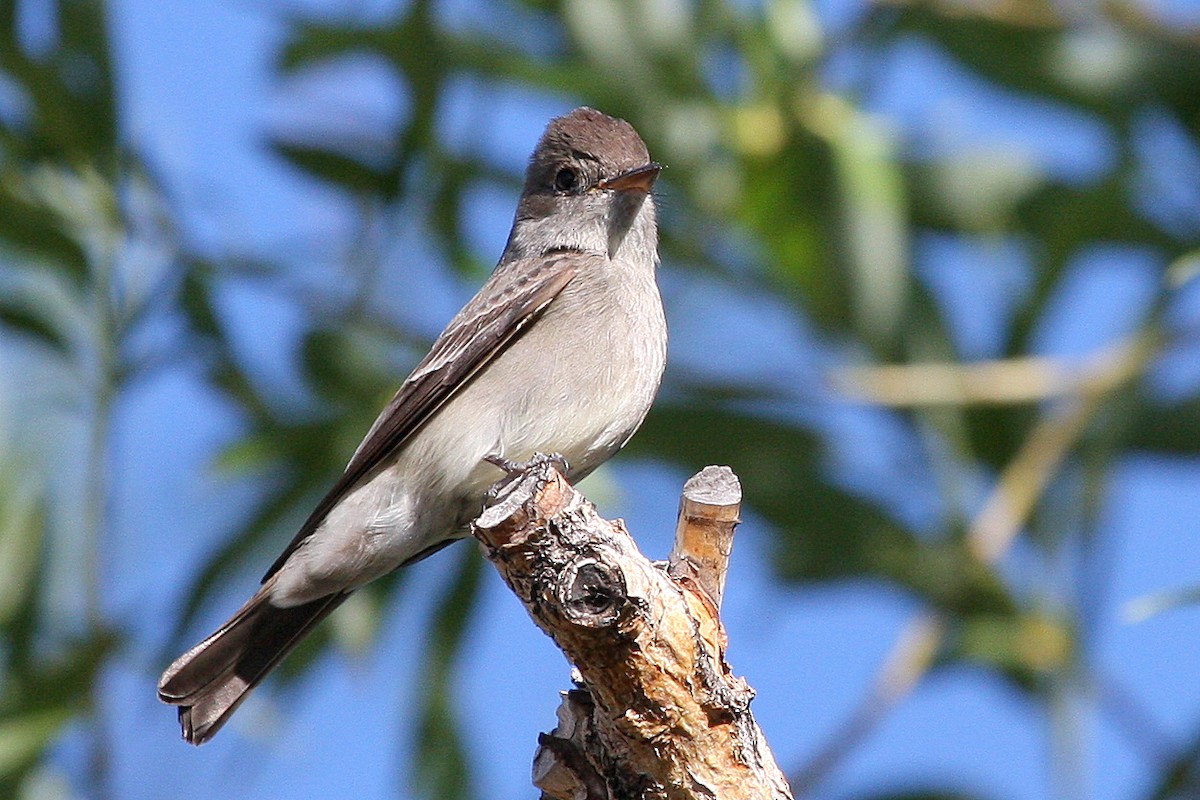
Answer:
(1026, 476)
(1047, 14)
(1141, 730)
(1007, 381)
(107, 341)
(996, 526)
(1143, 607)
(910, 658)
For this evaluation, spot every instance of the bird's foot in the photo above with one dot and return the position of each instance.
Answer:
(516, 468)
(515, 471)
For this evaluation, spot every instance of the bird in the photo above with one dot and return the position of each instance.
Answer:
(561, 351)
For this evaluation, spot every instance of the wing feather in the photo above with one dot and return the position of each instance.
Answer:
(512, 298)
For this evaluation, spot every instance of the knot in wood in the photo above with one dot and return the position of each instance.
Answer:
(591, 593)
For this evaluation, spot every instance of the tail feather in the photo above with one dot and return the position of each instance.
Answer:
(212, 679)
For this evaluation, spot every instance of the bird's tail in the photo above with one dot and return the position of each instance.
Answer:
(212, 679)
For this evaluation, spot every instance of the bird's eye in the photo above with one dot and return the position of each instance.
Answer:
(565, 180)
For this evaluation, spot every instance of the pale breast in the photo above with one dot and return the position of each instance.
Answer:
(578, 383)
(590, 368)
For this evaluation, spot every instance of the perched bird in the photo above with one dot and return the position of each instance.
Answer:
(561, 351)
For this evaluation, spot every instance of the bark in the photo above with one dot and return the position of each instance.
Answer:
(657, 713)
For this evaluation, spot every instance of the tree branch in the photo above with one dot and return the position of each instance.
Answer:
(657, 712)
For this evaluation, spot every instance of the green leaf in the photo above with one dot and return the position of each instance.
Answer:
(996, 433)
(784, 203)
(945, 573)
(39, 232)
(446, 216)
(312, 43)
(196, 299)
(1168, 429)
(23, 317)
(70, 89)
(987, 46)
(343, 370)
(346, 172)
(42, 692)
(63, 679)
(23, 737)
(1026, 648)
(874, 220)
(22, 528)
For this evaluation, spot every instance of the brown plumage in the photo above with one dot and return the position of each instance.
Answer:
(212, 679)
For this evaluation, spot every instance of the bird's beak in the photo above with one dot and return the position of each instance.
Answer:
(640, 179)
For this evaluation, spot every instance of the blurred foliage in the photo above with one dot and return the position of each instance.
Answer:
(782, 179)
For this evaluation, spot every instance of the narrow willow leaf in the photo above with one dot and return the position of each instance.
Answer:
(30, 321)
(340, 170)
(22, 527)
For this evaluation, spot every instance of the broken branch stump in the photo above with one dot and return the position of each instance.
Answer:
(657, 714)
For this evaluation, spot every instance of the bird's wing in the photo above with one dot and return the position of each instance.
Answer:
(491, 321)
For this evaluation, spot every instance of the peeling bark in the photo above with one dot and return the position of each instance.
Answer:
(657, 712)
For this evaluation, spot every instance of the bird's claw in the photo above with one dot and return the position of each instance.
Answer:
(506, 464)
(513, 468)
